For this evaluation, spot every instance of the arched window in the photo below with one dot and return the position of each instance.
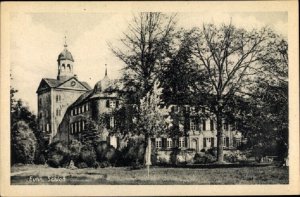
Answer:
(63, 66)
(69, 66)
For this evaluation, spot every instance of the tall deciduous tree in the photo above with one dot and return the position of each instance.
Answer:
(144, 48)
(230, 57)
(154, 117)
(267, 110)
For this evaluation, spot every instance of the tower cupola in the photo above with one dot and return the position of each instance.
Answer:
(65, 64)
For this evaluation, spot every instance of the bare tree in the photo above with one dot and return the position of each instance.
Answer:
(144, 48)
(231, 58)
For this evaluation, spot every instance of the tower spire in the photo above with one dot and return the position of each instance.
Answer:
(65, 45)
(105, 70)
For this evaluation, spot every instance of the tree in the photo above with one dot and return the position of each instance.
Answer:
(154, 118)
(179, 74)
(23, 143)
(20, 112)
(265, 117)
(143, 51)
(230, 58)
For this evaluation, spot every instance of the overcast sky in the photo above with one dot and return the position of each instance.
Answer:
(37, 39)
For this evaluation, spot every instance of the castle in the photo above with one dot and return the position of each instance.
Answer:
(65, 104)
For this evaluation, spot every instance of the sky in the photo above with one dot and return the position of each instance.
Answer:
(37, 39)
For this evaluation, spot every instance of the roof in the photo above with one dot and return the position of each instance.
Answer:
(85, 96)
(53, 83)
(65, 55)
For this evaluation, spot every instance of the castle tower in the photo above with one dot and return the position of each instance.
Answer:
(65, 64)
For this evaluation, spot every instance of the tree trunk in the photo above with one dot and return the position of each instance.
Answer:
(220, 158)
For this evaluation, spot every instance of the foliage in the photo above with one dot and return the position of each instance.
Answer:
(133, 152)
(204, 158)
(20, 112)
(106, 153)
(264, 118)
(231, 58)
(58, 154)
(154, 119)
(75, 150)
(88, 155)
(23, 143)
(144, 49)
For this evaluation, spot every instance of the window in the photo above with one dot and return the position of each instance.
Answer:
(193, 109)
(226, 126)
(204, 125)
(227, 142)
(75, 127)
(181, 142)
(72, 128)
(87, 107)
(58, 98)
(237, 142)
(212, 142)
(83, 125)
(212, 125)
(63, 66)
(204, 142)
(58, 112)
(169, 143)
(112, 122)
(112, 104)
(192, 125)
(187, 108)
(69, 67)
(233, 126)
(47, 127)
(107, 104)
(158, 142)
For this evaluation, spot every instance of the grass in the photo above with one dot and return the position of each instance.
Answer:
(38, 174)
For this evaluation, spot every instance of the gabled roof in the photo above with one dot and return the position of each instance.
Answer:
(53, 83)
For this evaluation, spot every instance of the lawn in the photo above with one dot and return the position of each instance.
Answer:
(38, 174)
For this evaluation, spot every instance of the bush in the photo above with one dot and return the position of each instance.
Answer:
(55, 160)
(104, 164)
(133, 152)
(41, 159)
(88, 155)
(231, 158)
(136, 165)
(75, 149)
(58, 155)
(81, 165)
(23, 144)
(107, 153)
(204, 158)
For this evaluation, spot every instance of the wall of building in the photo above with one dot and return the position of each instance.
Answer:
(44, 112)
(62, 99)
